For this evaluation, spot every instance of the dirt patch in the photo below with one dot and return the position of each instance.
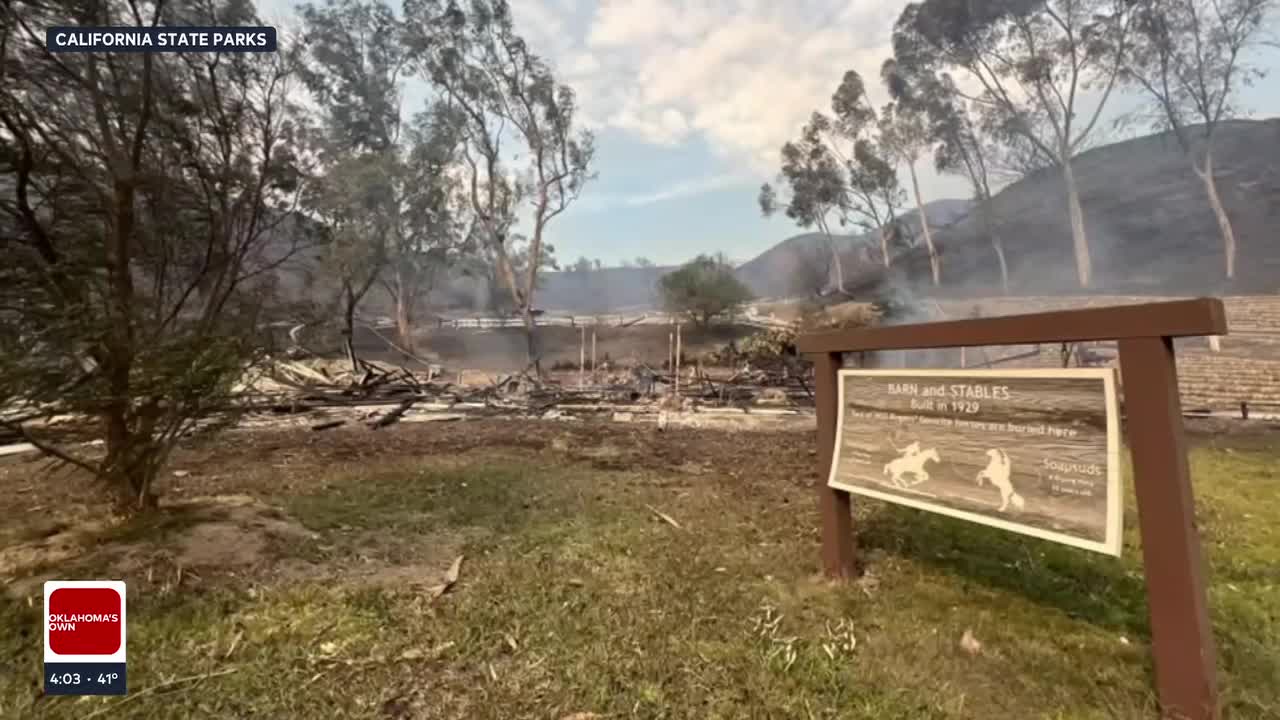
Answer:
(232, 531)
(55, 547)
(218, 533)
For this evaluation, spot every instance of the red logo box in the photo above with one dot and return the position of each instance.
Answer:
(85, 621)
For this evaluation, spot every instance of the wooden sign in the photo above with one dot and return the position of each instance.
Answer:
(1030, 451)
(1181, 637)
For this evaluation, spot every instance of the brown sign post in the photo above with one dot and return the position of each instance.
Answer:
(1181, 636)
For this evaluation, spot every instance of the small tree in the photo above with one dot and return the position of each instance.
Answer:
(874, 194)
(146, 204)
(815, 184)
(703, 288)
(838, 167)
(351, 196)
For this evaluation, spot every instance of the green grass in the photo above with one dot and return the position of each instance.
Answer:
(574, 598)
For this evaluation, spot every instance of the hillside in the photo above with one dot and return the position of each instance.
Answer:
(1150, 231)
(598, 291)
(770, 273)
(1150, 227)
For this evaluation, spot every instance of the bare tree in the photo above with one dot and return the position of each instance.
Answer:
(148, 209)
(1187, 57)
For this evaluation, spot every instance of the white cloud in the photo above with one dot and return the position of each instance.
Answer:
(741, 74)
(670, 191)
(686, 188)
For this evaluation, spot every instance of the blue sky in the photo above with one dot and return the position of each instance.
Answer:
(690, 101)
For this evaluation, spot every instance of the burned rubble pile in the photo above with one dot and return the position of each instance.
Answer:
(750, 379)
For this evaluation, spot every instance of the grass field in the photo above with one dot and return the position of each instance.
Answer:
(577, 599)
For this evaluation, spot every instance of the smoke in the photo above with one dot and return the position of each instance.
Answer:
(899, 302)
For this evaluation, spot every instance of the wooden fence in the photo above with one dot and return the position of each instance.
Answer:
(491, 323)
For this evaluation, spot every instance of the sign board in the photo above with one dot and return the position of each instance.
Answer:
(1030, 451)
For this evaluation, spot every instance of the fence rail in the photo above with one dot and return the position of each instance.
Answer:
(489, 323)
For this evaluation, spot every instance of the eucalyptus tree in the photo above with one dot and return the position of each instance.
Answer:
(354, 67)
(837, 167)
(1042, 72)
(906, 135)
(874, 193)
(1188, 57)
(960, 145)
(521, 148)
(814, 187)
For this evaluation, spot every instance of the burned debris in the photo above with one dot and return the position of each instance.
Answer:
(742, 379)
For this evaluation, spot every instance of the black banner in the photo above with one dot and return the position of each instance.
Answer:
(84, 678)
(161, 39)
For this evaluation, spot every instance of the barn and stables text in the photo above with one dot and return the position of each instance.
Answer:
(953, 397)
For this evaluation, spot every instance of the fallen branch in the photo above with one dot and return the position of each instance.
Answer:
(669, 520)
(394, 416)
(397, 348)
(302, 371)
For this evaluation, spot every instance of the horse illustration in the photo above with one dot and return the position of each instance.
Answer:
(912, 448)
(910, 463)
(998, 472)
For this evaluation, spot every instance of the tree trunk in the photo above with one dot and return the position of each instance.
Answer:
(130, 466)
(127, 465)
(531, 339)
(407, 284)
(1079, 239)
(1219, 212)
(404, 323)
(835, 261)
(349, 326)
(989, 225)
(934, 265)
(998, 244)
(884, 246)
